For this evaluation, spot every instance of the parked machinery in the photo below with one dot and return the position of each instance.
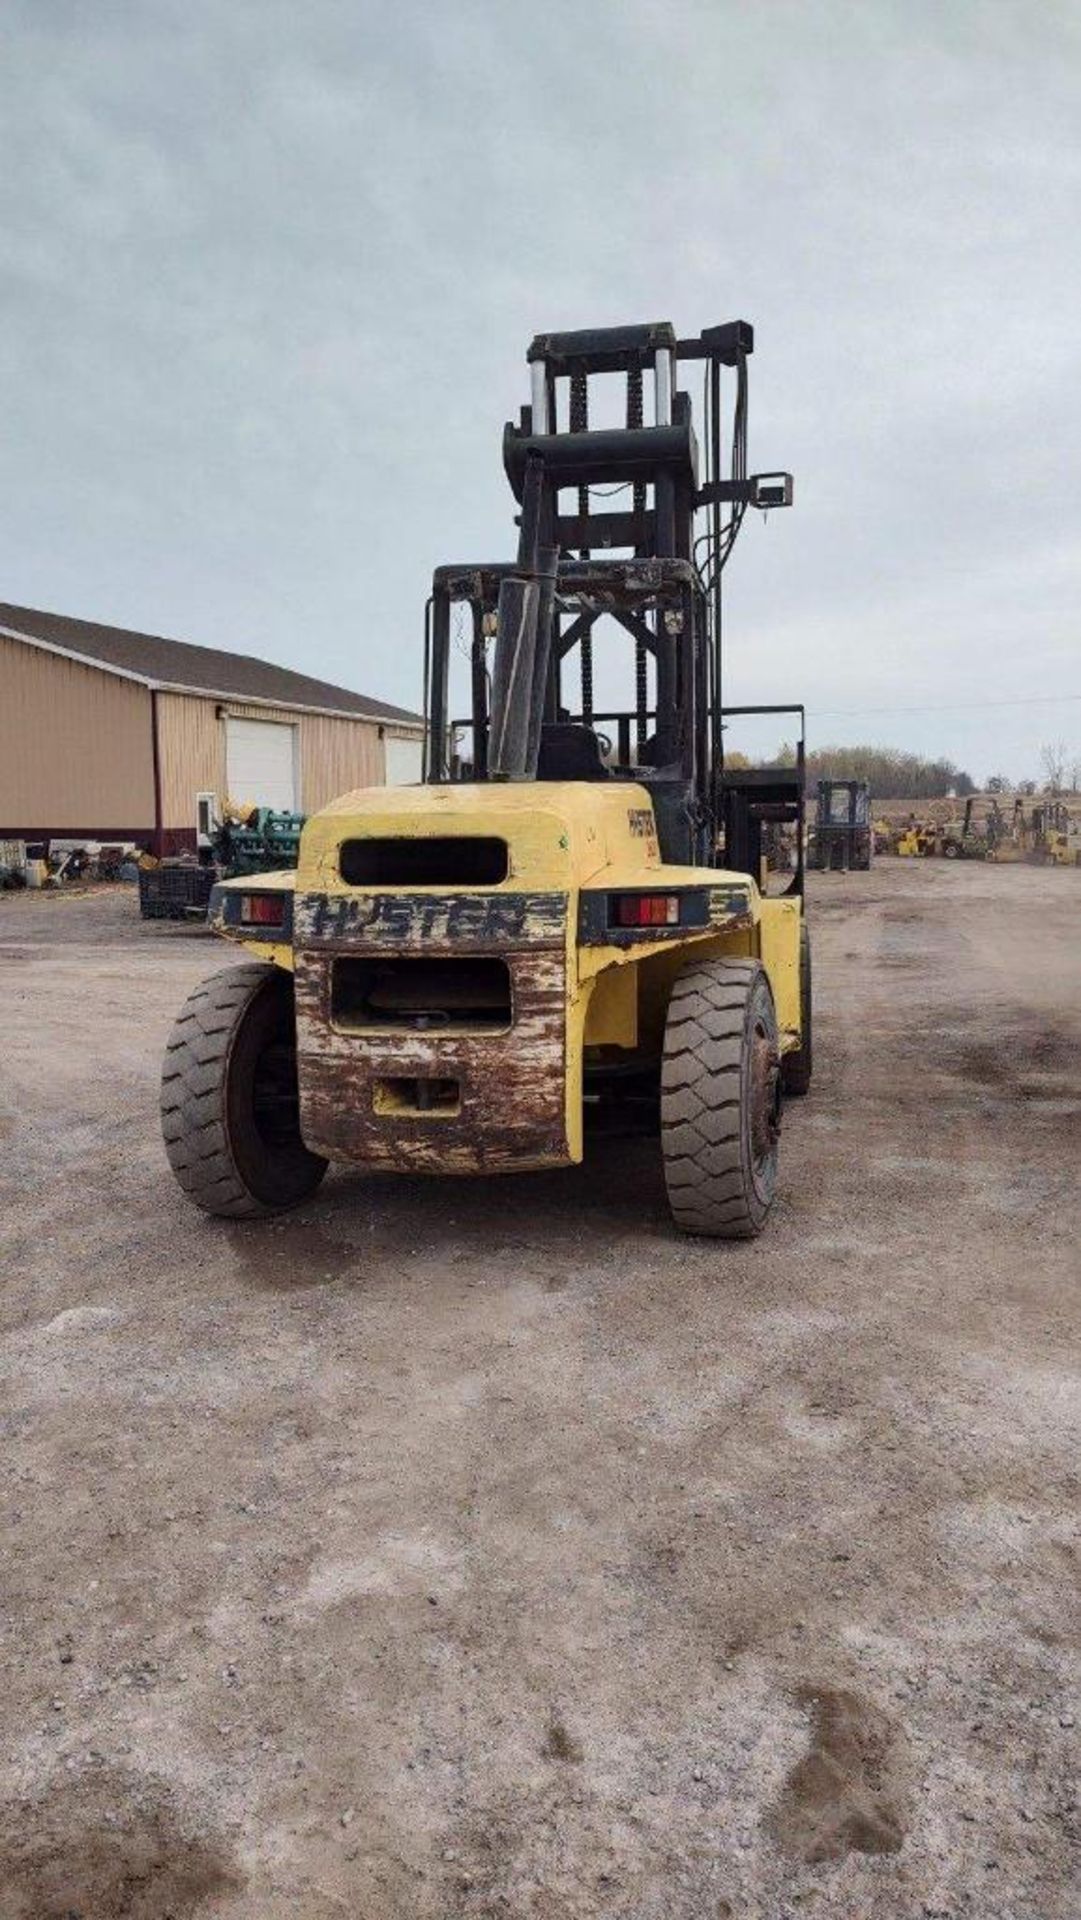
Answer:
(964, 840)
(1007, 832)
(917, 839)
(263, 841)
(842, 838)
(257, 841)
(1055, 834)
(456, 972)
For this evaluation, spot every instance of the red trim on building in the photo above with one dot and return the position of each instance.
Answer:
(173, 839)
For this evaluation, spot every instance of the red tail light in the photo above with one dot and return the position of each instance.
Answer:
(262, 909)
(646, 910)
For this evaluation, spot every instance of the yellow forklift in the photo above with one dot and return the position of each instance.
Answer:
(458, 972)
(964, 840)
(1056, 836)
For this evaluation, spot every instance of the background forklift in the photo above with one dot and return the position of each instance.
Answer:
(1056, 836)
(1008, 834)
(965, 841)
(455, 970)
(842, 839)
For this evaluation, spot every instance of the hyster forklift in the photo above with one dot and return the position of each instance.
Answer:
(458, 971)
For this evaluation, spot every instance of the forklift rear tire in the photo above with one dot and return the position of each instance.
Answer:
(796, 1067)
(229, 1108)
(721, 1099)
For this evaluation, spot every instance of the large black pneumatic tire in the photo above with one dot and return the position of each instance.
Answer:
(796, 1067)
(229, 1097)
(720, 1099)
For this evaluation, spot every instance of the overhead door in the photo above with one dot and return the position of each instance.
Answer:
(403, 760)
(260, 764)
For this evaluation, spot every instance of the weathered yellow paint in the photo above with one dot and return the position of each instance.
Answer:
(277, 951)
(559, 835)
(611, 1018)
(272, 950)
(778, 950)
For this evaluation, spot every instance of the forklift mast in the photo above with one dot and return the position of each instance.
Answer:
(642, 563)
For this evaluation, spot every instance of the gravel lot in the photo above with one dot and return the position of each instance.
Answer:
(486, 1550)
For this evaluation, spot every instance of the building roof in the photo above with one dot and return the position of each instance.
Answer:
(176, 664)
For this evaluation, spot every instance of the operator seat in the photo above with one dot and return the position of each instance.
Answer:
(569, 751)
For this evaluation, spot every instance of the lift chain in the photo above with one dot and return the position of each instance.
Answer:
(635, 418)
(579, 423)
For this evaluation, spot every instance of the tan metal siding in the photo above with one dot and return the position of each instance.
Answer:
(75, 744)
(334, 755)
(191, 752)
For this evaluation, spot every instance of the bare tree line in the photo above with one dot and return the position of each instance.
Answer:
(891, 772)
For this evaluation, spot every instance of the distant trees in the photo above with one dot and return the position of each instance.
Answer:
(893, 774)
(1061, 768)
(890, 772)
(1053, 755)
(1061, 774)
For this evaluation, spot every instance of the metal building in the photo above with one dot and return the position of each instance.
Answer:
(115, 735)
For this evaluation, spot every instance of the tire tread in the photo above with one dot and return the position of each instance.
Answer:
(701, 1099)
(193, 1116)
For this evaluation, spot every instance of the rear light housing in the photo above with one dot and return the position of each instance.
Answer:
(644, 910)
(262, 909)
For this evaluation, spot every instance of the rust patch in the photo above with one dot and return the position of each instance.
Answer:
(730, 908)
(511, 1084)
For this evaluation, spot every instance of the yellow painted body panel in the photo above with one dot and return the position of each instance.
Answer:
(561, 833)
(611, 1017)
(562, 837)
(277, 951)
(778, 950)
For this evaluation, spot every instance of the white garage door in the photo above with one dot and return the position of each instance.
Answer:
(403, 759)
(260, 764)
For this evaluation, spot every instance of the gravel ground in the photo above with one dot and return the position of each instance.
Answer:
(487, 1550)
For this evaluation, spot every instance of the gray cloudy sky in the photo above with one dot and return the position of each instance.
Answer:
(270, 271)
